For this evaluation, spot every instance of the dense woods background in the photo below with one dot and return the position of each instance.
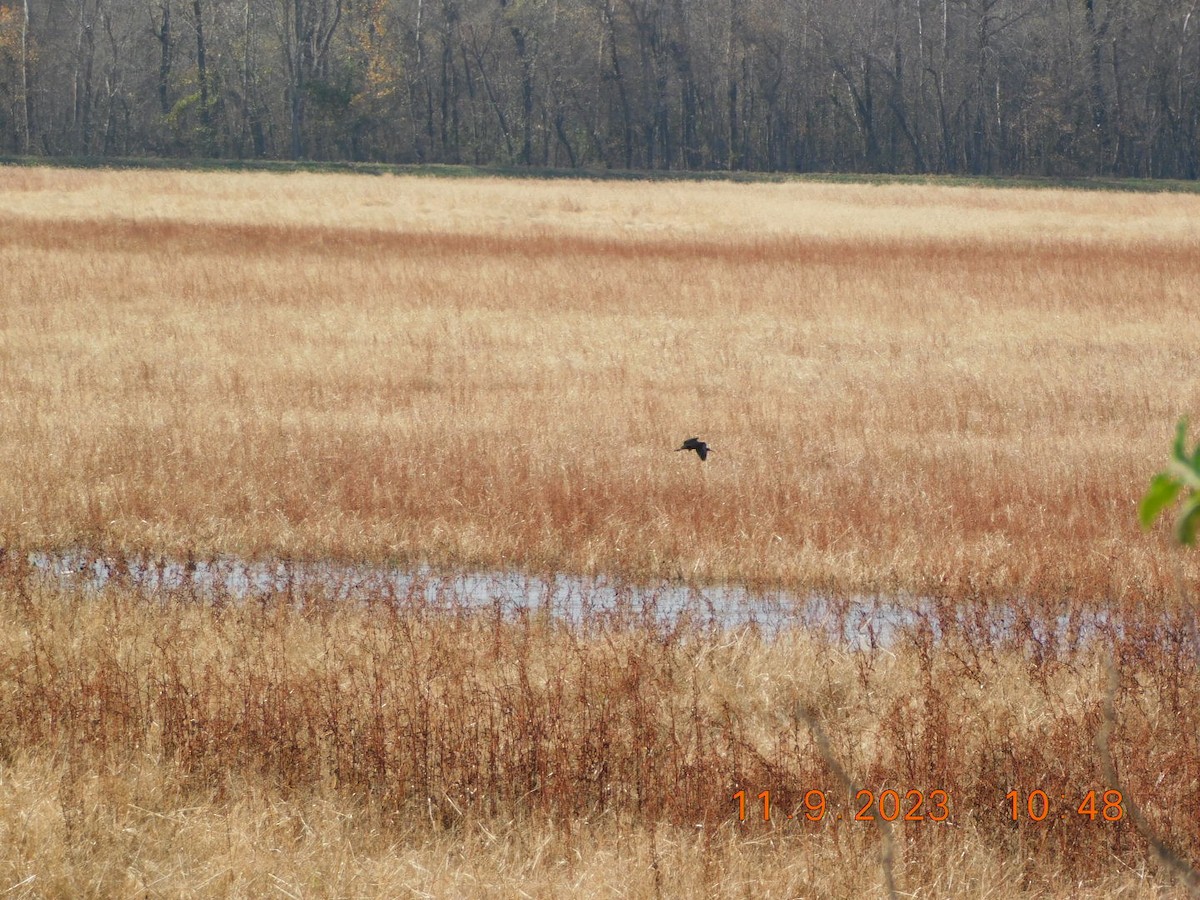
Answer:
(1054, 87)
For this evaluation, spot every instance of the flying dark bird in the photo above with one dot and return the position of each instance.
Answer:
(702, 449)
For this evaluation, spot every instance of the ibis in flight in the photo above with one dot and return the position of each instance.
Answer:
(702, 449)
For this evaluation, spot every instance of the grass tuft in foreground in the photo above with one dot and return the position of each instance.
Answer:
(222, 747)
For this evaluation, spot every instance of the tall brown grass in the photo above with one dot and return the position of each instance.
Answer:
(949, 391)
(319, 747)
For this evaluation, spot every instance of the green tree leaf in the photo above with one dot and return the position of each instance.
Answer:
(1179, 451)
(1161, 494)
(1182, 474)
(1189, 522)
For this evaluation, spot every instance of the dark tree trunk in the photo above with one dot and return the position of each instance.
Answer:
(1096, 34)
(29, 125)
(619, 78)
(166, 48)
(202, 74)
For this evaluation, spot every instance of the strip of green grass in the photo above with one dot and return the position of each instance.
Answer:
(1087, 183)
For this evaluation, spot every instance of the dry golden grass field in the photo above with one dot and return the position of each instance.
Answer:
(945, 390)
(946, 393)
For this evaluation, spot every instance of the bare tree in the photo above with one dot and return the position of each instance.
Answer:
(307, 30)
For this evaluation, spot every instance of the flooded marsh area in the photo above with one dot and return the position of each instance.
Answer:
(427, 726)
(856, 622)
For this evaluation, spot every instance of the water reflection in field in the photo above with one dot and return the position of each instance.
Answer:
(858, 622)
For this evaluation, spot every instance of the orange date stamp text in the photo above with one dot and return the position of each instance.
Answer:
(887, 805)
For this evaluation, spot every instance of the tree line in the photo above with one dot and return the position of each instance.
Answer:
(1037, 87)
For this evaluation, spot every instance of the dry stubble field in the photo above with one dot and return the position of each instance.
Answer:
(952, 393)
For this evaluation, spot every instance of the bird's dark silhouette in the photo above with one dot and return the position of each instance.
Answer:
(702, 449)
